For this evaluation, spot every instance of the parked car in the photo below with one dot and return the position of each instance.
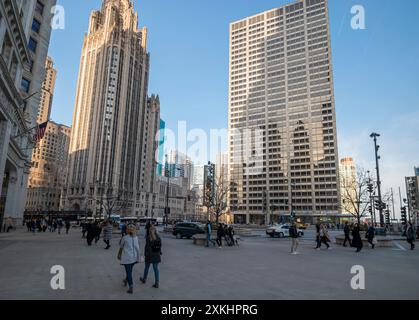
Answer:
(187, 230)
(281, 231)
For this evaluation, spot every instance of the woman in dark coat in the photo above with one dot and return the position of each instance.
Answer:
(90, 233)
(152, 255)
(356, 238)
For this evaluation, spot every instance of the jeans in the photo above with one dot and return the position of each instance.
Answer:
(156, 271)
(209, 240)
(347, 239)
(128, 269)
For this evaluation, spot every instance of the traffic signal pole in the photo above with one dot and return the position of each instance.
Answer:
(374, 136)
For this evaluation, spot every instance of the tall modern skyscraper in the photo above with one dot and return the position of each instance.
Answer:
(106, 167)
(282, 121)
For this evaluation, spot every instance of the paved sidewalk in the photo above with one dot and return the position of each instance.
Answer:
(261, 268)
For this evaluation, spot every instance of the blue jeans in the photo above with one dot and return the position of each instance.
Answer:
(209, 240)
(128, 269)
(156, 271)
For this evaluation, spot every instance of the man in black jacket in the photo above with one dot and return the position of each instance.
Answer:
(347, 237)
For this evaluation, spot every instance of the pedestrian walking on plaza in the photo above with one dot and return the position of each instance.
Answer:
(67, 226)
(411, 235)
(370, 235)
(91, 233)
(44, 225)
(98, 231)
(324, 236)
(83, 230)
(107, 234)
(152, 255)
(347, 232)
(54, 225)
(129, 255)
(230, 236)
(123, 230)
(60, 225)
(293, 231)
(208, 230)
(318, 242)
(356, 238)
(28, 225)
(33, 226)
(220, 235)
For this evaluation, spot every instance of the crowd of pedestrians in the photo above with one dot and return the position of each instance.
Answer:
(224, 233)
(42, 225)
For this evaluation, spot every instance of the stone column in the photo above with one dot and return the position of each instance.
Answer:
(5, 130)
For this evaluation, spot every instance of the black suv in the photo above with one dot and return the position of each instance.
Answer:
(187, 230)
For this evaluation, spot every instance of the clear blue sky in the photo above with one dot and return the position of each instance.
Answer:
(376, 70)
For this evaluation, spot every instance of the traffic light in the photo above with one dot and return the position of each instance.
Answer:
(370, 210)
(370, 188)
(388, 217)
(377, 205)
(404, 215)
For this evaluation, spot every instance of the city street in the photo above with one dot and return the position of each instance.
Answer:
(261, 268)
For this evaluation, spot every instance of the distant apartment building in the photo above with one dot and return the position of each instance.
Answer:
(282, 119)
(416, 171)
(347, 173)
(49, 168)
(25, 30)
(160, 152)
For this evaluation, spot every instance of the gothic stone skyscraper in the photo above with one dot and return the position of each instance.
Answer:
(281, 86)
(106, 171)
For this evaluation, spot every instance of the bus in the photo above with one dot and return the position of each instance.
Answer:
(156, 221)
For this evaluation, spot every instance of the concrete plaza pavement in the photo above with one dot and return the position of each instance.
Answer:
(260, 268)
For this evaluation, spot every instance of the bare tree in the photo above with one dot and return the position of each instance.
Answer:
(113, 204)
(221, 191)
(355, 195)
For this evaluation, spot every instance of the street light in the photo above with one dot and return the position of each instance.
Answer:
(377, 157)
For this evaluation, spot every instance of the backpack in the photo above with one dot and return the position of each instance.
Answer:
(156, 245)
(292, 232)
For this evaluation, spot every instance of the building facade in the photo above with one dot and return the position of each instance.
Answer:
(25, 30)
(47, 92)
(412, 189)
(282, 120)
(348, 183)
(106, 161)
(49, 168)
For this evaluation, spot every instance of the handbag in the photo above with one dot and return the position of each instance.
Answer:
(375, 241)
(142, 259)
(120, 254)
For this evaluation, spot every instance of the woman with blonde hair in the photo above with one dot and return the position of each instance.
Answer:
(129, 255)
(152, 253)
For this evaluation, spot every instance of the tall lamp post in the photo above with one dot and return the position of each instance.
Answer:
(377, 158)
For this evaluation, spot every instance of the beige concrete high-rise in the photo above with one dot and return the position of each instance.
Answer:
(282, 120)
(47, 91)
(49, 167)
(106, 153)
